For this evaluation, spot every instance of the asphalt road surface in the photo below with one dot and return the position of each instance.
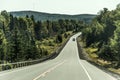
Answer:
(66, 66)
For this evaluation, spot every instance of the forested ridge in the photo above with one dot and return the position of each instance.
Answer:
(53, 17)
(103, 35)
(24, 38)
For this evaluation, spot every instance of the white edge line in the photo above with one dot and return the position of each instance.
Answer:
(113, 78)
(85, 70)
(83, 66)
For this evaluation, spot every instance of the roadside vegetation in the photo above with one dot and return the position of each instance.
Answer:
(101, 39)
(24, 38)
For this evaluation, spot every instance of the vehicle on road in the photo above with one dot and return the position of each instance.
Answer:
(73, 39)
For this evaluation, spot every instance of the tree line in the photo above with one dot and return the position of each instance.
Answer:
(19, 36)
(104, 33)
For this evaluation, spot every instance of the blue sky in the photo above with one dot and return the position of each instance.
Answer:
(59, 6)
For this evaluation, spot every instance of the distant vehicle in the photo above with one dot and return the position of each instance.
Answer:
(73, 39)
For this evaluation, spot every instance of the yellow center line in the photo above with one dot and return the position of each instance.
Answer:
(49, 70)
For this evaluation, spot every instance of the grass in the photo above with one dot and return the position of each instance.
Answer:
(50, 45)
(114, 70)
(92, 52)
(95, 58)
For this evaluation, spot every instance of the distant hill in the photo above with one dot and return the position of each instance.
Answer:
(47, 16)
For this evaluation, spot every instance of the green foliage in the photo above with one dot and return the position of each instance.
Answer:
(118, 6)
(107, 53)
(59, 38)
(7, 67)
(65, 35)
(23, 38)
(105, 32)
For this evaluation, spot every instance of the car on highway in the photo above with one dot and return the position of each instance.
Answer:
(73, 39)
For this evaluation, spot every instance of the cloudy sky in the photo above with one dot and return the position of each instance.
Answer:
(59, 6)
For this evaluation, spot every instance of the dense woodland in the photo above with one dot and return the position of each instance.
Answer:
(21, 37)
(104, 33)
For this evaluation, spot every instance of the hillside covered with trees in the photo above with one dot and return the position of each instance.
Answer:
(53, 17)
(103, 35)
(24, 38)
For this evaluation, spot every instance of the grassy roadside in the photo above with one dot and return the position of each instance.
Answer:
(91, 55)
(50, 44)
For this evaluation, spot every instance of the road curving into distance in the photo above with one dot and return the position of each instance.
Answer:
(66, 66)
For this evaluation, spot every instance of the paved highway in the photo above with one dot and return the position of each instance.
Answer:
(66, 66)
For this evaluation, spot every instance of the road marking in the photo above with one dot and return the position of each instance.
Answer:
(113, 78)
(85, 70)
(49, 70)
(82, 65)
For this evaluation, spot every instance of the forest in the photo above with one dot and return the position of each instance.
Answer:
(24, 38)
(103, 34)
